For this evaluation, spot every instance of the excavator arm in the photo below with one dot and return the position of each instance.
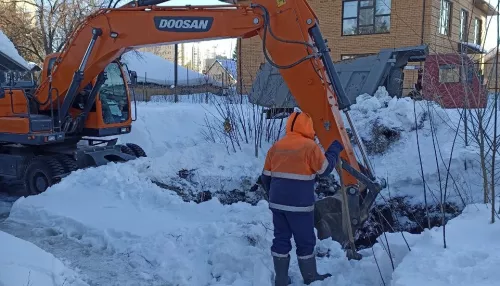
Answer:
(291, 39)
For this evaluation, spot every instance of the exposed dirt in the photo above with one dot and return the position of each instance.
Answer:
(395, 215)
(398, 214)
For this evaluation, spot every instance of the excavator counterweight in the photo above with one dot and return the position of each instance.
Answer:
(83, 94)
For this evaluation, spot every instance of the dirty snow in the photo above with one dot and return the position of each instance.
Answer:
(22, 263)
(174, 135)
(8, 48)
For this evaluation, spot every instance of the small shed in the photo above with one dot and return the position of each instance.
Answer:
(454, 81)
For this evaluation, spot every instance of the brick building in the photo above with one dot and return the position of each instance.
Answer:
(355, 28)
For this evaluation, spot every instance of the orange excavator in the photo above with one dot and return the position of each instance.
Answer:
(52, 129)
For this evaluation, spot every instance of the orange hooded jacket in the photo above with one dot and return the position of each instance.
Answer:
(293, 163)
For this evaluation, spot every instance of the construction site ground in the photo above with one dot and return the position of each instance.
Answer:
(119, 225)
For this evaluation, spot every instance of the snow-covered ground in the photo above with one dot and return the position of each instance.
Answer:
(22, 263)
(113, 226)
(470, 258)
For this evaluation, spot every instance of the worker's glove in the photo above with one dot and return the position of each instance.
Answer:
(335, 148)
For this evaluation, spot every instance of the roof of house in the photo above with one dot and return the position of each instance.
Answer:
(151, 68)
(11, 59)
(229, 65)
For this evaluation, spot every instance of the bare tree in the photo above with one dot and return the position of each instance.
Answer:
(41, 27)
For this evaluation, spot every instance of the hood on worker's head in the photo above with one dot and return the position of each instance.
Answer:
(301, 123)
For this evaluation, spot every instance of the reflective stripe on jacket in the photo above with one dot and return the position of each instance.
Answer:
(292, 165)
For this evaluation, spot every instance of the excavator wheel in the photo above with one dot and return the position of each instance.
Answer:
(138, 151)
(68, 163)
(41, 172)
(127, 150)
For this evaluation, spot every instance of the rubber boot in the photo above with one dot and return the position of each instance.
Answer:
(281, 265)
(309, 271)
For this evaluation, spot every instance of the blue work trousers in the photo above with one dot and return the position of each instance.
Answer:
(298, 224)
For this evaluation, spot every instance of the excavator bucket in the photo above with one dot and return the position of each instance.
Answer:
(329, 215)
(341, 215)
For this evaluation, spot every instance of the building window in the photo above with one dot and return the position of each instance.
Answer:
(464, 20)
(449, 74)
(478, 24)
(361, 17)
(444, 18)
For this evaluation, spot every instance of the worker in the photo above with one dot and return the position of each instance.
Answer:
(290, 168)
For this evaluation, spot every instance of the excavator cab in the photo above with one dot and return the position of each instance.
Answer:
(54, 146)
(109, 113)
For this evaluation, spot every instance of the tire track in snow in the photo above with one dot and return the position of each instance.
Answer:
(95, 266)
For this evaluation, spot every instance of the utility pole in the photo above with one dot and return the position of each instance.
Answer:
(176, 60)
(240, 73)
(495, 124)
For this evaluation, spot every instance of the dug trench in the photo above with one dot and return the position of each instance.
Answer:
(397, 214)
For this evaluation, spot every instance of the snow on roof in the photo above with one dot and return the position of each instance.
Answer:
(230, 66)
(474, 46)
(155, 69)
(32, 65)
(8, 49)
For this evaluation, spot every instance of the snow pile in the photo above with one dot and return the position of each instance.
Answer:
(22, 263)
(381, 113)
(162, 128)
(5, 203)
(175, 135)
(168, 241)
(164, 238)
(388, 127)
(472, 255)
(151, 68)
(176, 138)
(172, 242)
(8, 49)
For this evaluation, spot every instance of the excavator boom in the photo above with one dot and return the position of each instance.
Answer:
(290, 34)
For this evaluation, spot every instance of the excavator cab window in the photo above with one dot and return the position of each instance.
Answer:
(113, 96)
